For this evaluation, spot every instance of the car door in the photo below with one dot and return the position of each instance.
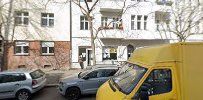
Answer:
(90, 85)
(6, 85)
(160, 85)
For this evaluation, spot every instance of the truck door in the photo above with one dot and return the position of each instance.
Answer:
(160, 85)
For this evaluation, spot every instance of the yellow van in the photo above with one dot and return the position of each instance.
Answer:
(165, 72)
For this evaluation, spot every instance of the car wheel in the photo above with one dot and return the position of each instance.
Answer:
(73, 93)
(23, 95)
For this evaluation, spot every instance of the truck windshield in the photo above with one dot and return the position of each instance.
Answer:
(128, 77)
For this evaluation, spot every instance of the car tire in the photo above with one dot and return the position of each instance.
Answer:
(73, 93)
(23, 95)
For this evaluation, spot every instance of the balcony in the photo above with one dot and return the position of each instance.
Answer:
(164, 2)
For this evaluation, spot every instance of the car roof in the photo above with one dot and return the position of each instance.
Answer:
(105, 67)
(19, 70)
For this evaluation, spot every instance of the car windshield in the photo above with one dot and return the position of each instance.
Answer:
(128, 77)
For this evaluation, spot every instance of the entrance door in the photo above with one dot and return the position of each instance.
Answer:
(89, 57)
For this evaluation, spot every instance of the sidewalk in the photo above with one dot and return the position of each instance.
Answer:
(54, 76)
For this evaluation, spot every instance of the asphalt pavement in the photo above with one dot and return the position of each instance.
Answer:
(51, 93)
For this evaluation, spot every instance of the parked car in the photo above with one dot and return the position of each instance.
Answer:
(21, 83)
(86, 82)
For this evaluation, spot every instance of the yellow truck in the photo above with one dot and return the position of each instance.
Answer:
(165, 72)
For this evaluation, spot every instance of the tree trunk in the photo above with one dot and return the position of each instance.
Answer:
(92, 39)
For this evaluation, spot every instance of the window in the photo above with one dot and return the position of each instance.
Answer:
(162, 20)
(47, 19)
(82, 53)
(37, 74)
(139, 17)
(109, 72)
(12, 77)
(92, 74)
(109, 53)
(111, 22)
(86, 0)
(164, 2)
(139, 0)
(159, 81)
(1, 46)
(47, 48)
(104, 21)
(84, 24)
(21, 18)
(133, 24)
(145, 22)
(21, 48)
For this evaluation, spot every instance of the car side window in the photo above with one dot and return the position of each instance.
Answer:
(1, 79)
(93, 74)
(159, 81)
(109, 72)
(19, 77)
(12, 78)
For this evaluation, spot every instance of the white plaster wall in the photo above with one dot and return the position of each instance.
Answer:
(34, 31)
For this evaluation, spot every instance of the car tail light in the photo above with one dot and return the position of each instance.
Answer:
(34, 82)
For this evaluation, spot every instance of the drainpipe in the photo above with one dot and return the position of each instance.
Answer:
(70, 33)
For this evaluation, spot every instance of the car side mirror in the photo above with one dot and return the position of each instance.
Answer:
(86, 77)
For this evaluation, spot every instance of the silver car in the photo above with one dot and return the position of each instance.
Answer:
(21, 83)
(86, 82)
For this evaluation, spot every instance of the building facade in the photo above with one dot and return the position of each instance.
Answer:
(37, 35)
(124, 29)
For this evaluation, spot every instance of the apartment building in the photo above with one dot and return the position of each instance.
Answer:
(37, 35)
(121, 34)
(140, 25)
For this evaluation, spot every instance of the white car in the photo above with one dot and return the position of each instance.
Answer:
(21, 83)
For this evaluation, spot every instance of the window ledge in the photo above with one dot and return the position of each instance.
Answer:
(47, 54)
(22, 54)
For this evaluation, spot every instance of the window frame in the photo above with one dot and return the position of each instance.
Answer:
(27, 44)
(47, 18)
(87, 1)
(22, 16)
(133, 21)
(13, 74)
(84, 21)
(139, 22)
(48, 48)
(108, 54)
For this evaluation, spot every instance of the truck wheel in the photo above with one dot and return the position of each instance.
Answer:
(73, 93)
(23, 95)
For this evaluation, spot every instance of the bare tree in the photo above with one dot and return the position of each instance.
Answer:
(88, 10)
(182, 19)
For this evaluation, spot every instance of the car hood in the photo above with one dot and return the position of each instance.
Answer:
(71, 78)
